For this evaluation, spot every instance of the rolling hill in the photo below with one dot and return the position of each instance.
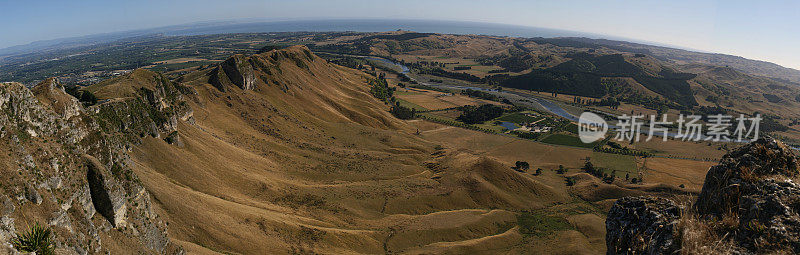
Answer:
(285, 152)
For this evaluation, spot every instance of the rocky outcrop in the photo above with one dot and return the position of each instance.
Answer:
(66, 171)
(768, 217)
(106, 199)
(51, 94)
(153, 110)
(739, 173)
(245, 72)
(753, 183)
(236, 70)
(751, 187)
(643, 225)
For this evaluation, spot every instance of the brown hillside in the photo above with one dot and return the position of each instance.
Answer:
(290, 153)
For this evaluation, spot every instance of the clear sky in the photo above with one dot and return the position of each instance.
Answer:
(764, 30)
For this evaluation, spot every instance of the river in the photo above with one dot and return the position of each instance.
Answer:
(517, 97)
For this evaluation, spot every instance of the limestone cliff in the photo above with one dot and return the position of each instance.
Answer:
(62, 169)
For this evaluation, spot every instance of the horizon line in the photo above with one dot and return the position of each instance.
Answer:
(253, 20)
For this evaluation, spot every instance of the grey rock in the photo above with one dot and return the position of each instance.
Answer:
(7, 229)
(6, 205)
(768, 217)
(643, 225)
(62, 220)
(31, 194)
(727, 182)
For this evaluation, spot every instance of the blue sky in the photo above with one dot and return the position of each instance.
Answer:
(764, 30)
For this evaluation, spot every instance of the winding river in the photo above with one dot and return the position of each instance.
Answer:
(540, 103)
(529, 100)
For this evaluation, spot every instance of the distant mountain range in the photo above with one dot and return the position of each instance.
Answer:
(671, 54)
(261, 26)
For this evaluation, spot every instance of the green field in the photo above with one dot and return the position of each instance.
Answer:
(572, 128)
(621, 163)
(539, 224)
(518, 118)
(411, 105)
(568, 140)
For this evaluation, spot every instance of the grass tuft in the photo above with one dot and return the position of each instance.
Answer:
(38, 239)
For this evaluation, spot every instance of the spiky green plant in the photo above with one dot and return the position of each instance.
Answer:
(38, 239)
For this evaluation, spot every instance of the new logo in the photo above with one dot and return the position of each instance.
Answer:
(591, 127)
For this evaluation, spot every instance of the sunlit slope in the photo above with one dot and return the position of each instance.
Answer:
(286, 152)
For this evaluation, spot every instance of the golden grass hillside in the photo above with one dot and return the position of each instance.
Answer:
(306, 160)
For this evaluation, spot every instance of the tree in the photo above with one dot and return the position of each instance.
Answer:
(561, 169)
(88, 98)
(570, 181)
(402, 112)
(589, 167)
(538, 171)
(473, 115)
(522, 165)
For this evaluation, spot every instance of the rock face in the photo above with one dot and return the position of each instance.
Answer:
(244, 72)
(72, 173)
(643, 225)
(152, 111)
(768, 217)
(752, 186)
(739, 172)
(236, 70)
(51, 93)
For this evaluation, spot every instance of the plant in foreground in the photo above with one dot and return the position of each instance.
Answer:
(38, 239)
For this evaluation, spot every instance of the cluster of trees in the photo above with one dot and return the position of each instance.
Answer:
(623, 151)
(526, 135)
(441, 110)
(380, 89)
(473, 115)
(599, 173)
(84, 96)
(351, 62)
(570, 181)
(455, 124)
(770, 124)
(521, 166)
(479, 94)
(402, 112)
(610, 102)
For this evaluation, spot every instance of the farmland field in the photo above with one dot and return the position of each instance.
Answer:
(609, 162)
(568, 140)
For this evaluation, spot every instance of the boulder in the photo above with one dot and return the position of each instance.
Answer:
(752, 186)
(643, 225)
(739, 170)
(768, 217)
